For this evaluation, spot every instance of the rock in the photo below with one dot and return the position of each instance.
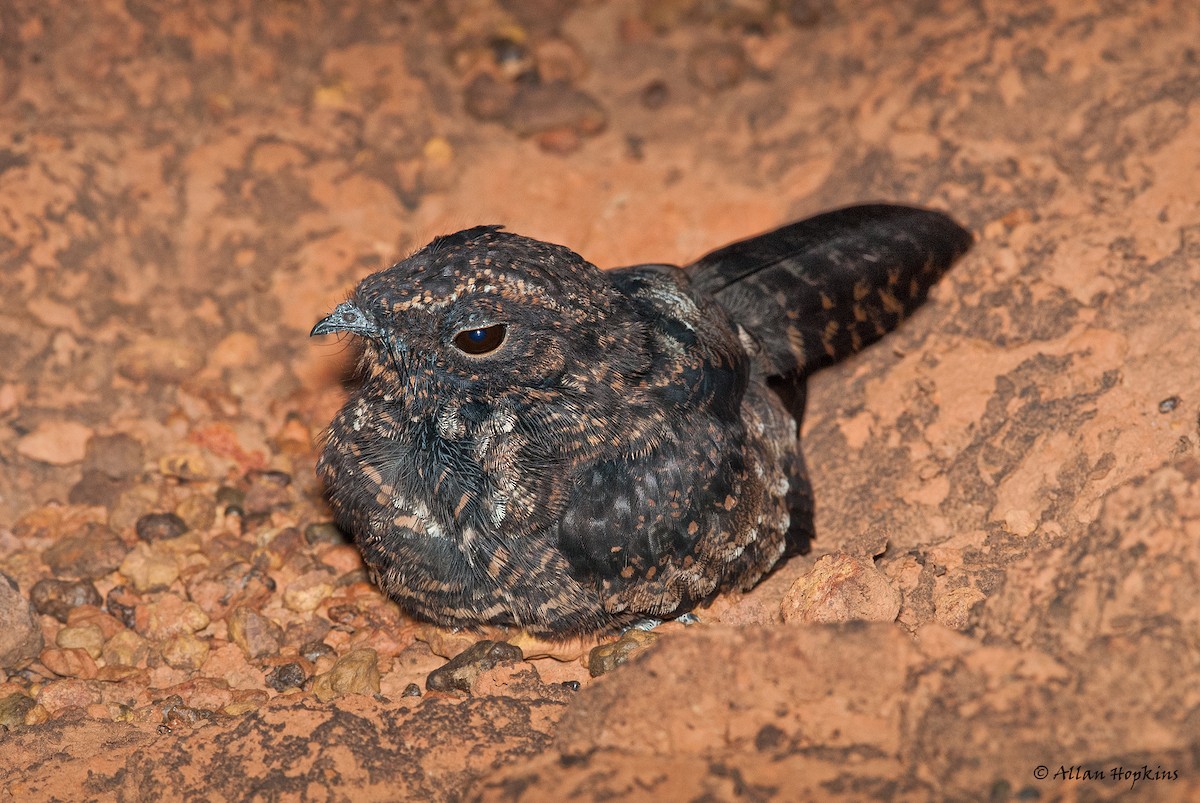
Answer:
(254, 633)
(550, 107)
(229, 498)
(315, 650)
(308, 591)
(186, 466)
(131, 505)
(559, 140)
(175, 713)
(487, 98)
(168, 616)
(198, 511)
(58, 597)
(20, 635)
(58, 695)
(95, 488)
(342, 558)
(717, 66)
(655, 95)
(88, 637)
(148, 569)
(13, 709)
(227, 662)
(605, 658)
(185, 651)
(122, 604)
(460, 672)
(841, 588)
(108, 625)
(126, 648)
(269, 490)
(118, 456)
(69, 662)
(165, 359)
(953, 608)
(160, 527)
(559, 61)
(288, 676)
(285, 543)
(59, 443)
(88, 555)
(356, 672)
(324, 532)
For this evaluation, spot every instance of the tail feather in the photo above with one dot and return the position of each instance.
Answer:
(816, 291)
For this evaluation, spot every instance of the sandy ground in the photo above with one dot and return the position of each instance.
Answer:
(1009, 487)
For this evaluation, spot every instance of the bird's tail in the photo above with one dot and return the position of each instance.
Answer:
(816, 291)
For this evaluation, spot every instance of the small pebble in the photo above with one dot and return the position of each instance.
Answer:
(58, 695)
(511, 57)
(126, 648)
(170, 615)
(57, 597)
(411, 690)
(87, 637)
(841, 588)
(254, 633)
(57, 443)
(459, 673)
(717, 66)
(357, 672)
(308, 591)
(175, 713)
(160, 527)
(118, 456)
(269, 490)
(953, 608)
(804, 13)
(228, 497)
(559, 60)
(148, 569)
(1168, 404)
(95, 488)
(20, 635)
(488, 99)
(314, 650)
(198, 511)
(605, 658)
(69, 662)
(324, 532)
(167, 360)
(108, 625)
(555, 107)
(185, 651)
(13, 709)
(122, 603)
(188, 466)
(89, 554)
(655, 95)
(288, 676)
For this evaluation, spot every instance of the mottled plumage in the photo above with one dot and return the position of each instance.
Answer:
(540, 444)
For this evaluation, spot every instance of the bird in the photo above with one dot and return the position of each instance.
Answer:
(534, 443)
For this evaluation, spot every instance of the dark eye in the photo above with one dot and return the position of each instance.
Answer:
(480, 341)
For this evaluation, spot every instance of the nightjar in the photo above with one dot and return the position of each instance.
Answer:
(540, 444)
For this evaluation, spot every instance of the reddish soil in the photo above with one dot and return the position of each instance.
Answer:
(1004, 598)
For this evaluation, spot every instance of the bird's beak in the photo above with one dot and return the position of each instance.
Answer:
(346, 317)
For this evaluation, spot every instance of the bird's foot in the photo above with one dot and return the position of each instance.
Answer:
(649, 624)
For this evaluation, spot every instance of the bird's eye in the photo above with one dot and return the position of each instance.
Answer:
(480, 341)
